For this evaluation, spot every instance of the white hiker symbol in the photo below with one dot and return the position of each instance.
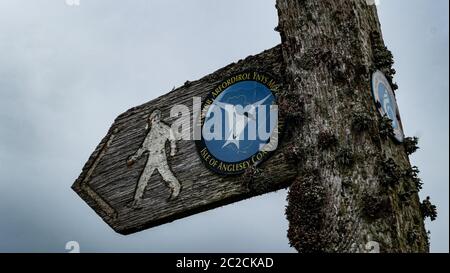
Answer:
(155, 145)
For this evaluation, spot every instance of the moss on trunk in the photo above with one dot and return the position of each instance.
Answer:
(353, 192)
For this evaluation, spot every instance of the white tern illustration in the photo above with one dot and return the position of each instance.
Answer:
(237, 119)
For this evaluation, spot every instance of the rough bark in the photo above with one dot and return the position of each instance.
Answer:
(354, 186)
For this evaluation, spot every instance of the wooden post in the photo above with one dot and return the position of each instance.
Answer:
(356, 190)
(353, 188)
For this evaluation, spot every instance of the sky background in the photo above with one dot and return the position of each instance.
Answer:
(67, 71)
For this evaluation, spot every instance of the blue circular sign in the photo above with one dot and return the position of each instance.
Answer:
(386, 103)
(240, 123)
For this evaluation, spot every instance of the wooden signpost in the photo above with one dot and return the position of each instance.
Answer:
(349, 174)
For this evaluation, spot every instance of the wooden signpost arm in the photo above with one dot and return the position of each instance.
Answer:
(354, 191)
(112, 175)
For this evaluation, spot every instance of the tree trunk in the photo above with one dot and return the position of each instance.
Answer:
(356, 188)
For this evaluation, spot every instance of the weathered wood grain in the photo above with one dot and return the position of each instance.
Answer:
(107, 184)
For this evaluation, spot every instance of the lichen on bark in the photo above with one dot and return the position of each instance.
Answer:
(342, 199)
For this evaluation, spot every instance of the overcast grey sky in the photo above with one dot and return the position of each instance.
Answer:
(67, 71)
